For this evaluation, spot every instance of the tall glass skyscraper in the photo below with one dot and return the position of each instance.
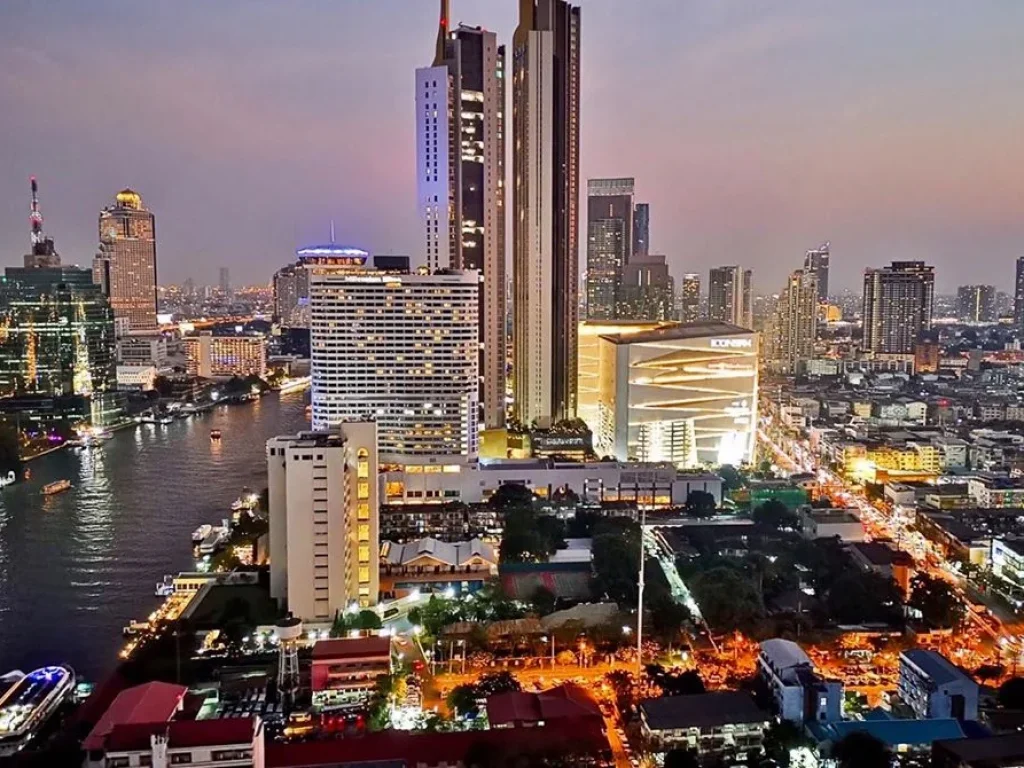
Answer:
(609, 243)
(126, 264)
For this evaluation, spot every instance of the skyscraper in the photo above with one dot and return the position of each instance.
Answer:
(642, 229)
(609, 243)
(816, 261)
(397, 347)
(126, 263)
(794, 325)
(291, 296)
(545, 159)
(224, 281)
(647, 291)
(729, 296)
(976, 303)
(689, 298)
(460, 171)
(1018, 295)
(898, 302)
(42, 253)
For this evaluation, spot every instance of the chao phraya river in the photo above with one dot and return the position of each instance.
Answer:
(77, 566)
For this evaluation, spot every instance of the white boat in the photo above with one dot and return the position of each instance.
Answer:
(214, 541)
(201, 532)
(165, 588)
(29, 703)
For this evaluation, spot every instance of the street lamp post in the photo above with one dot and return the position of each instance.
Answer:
(640, 599)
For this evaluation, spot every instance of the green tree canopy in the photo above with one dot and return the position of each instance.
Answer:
(775, 514)
(936, 600)
(700, 504)
(860, 749)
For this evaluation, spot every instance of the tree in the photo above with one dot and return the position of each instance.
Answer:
(935, 599)
(667, 617)
(498, 682)
(727, 600)
(462, 699)
(521, 540)
(681, 758)
(856, 597)
(511, 496)
(731, 478)
(700, 504)
(860, 749)
(781, 737)
(543, 600)
(775, 514)
(616, 551)
(368, 619)
(1011, 693)
(676, 683)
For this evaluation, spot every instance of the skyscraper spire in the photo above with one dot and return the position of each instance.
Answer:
(442, 33)
(36, 216)
(42, 253)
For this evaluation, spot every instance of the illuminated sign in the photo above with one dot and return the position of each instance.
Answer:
(732, 343)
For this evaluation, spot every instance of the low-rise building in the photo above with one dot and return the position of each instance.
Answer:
(140, 377)
(1008, 560)
(800, 693)
(453, 521)
(933, 688)
(987, 752)
(994, 492)
(142, 348)
(722, 724)
(843, 524)
(345, 670)
(568, 706)
(220, 743)
(430, 565)
(884, 560)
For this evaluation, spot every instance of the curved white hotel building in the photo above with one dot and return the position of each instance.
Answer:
(395, 347)
(685, 394)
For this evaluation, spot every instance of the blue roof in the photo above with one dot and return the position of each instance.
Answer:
(331, 249)
(893, 732)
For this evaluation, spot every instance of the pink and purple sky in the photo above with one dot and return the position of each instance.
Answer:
(755, 130)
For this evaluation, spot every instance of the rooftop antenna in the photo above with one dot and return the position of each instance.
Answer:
(442, 33)
(332, 231)
(36, 216)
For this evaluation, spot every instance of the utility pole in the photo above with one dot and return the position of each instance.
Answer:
(640, 600)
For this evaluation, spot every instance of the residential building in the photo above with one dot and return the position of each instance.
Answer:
(722, 724)
(324, 522)
(1018, 295)
(430, 565)
(448, 520)
(140, 377)
(689, 298)
(730, 296)
(216, 743)
(291, 296)
(642, 229)
(898, 302)
(147, 703)
(842, 524)
(952, 452)
(1001, 751)
(460, 171)
(927, 352)
(1008, 560)
(125, 266)
(799, 692)
(397, 347)
(609, 244)
(57, 351)
(212, 356)
(933, 688)
(345, 671)
(976, 303)
(653, 485)
(995, 492)
(567, 706)
(545, 160)
(816, 262)
(794, 325)
(647, 290)
(142, 349)
(686, 394)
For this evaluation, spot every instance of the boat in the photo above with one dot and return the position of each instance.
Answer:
(29, 703)
(165, 588)
(214, 541)
(135, 627)
(57, 486)
(201, 532)
(215, 434)
(166, 419)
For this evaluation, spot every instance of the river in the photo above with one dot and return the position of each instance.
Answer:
(77, 566)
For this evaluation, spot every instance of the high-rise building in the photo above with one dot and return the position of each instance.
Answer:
(816, 261)
(126, 263)
(224, 281)
(1018, 295)
(460, 171)
(681, 393)
(324, 520)
(57, 350)
(609, 243)
(794, 324)
(976, 303)
(545, 159)
(397, 347)
(647, 292)
(898, 302)
(211, 356)
(43, 253)
(291, 296)
(689, 298)
(642, 229)
(729, 296)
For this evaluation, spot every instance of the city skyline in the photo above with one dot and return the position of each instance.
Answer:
(220, 148)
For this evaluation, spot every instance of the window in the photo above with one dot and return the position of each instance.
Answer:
(362, 511)
(364, 532)
(364, 554)
(363, 490)
(183, 758)
(231, 754)
(364, 574)
(118, 762)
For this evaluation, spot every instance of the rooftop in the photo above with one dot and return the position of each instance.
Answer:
(893, 732)
(351, 648)
(148, 703)
(1008, 746)
(784, 654)
(181, 734)
(679, 332)
(566, 702)
(934, 665)
(452, 553)
(702, 710)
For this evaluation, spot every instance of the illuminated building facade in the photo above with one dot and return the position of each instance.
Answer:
(976, 303)
(324, 520)
(126, 263)
(609, 244)
(794, 324)
(730, 298)
(898, 302)
(397, 347)
(647, 291)
(460, 172)
(685, 394)
(545, 160)
(57, 346)
(212, 356)
(689, 298)
(816, 261)
(291, 296)
(1018, 295)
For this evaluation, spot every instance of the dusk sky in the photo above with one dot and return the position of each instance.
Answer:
(754, 129)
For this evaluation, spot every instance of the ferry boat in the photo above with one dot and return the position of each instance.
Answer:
(215, 434)
(57, 486)
(214, 541)
(29, 703)
(201, 532)
(165, 588)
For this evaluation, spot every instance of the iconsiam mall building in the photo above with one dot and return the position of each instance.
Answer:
(685, 393)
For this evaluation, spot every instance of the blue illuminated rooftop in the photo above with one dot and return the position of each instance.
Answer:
(332, 249)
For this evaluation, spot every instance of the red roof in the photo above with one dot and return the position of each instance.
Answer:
(566, 702)
(351, 648)
(148, 703)
(181, 734)
(432, 748)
